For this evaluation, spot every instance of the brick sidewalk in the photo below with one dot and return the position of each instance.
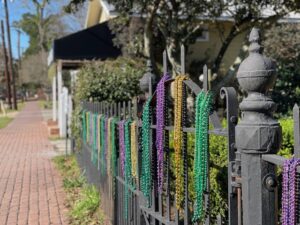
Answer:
(30, 188)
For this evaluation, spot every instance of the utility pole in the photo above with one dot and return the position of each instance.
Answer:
(19, 47)
(8, 90)
(12, 76)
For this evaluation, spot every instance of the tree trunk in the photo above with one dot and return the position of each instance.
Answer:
(148, 37)
(173, 50)
(226, 44)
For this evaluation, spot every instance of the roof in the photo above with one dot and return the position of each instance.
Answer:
(95, 42)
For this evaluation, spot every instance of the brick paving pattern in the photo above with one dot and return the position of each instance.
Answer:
(31, 189)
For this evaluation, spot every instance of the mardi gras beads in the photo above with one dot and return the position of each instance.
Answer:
(128, 176)
(289, 191)
(146, 161)
(99, 139)
(178, 139)
(203, 107)
(94, 146)
(87, 127)
(113, 152)
(134, 156)
(122, 145)
(103, 144)
(108, 141)
(160, 104)
(84, 126)
(91, 128)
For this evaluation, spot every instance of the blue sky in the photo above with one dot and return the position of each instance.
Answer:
(17, 8)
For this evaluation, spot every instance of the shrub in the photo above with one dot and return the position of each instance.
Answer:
(109, 80)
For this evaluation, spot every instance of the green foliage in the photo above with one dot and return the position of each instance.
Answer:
(85, 206)
(82, 199)
(112, 80)
(287, 146)
(286, 53)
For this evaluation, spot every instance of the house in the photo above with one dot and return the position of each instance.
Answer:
(207, 45)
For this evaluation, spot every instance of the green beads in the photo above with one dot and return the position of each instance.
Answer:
(203, 107)
(146, 163)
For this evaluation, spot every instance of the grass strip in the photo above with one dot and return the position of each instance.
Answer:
(82, 199)
(4, 121)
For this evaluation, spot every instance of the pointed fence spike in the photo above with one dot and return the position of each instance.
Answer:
(296, 116)
(182, 52)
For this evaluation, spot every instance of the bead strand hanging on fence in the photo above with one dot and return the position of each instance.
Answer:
(160, 104)
(103, 144)
(90, 128)
(178, 105)
(203, 108)
(108, 141)
(134, 156)
(113, 152)
(128, 175)
(94, 146)
(84, 126)
(87, 127)
(99, 139)
(289, 191)
(122, 146)
(146, 161)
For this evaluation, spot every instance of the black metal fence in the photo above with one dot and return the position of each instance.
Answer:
(244, 178)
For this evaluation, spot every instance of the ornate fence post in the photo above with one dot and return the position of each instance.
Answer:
(257, 134)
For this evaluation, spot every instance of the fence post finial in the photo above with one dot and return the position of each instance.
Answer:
(257, 133)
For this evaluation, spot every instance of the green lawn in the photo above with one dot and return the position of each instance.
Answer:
(4, 121)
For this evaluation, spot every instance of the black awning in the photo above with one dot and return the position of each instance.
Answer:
(92, 43)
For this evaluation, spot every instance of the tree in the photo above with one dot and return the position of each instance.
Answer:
(180, 21)
(282, 43)
(42, 23)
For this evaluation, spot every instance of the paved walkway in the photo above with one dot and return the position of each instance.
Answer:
(30, 188)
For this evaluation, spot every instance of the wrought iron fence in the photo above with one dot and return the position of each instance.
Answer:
(251, 145)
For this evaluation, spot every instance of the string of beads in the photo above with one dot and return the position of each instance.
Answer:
(84, 126)
(128, 176)
(289, 191)
(134, 157)
(146, 161)
(122, 145)
(113, 152)
(94, 146)
(203, 107)
(160, 104)
(178, 105)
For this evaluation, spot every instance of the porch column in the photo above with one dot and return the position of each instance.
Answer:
(54, 108)
(59, 93)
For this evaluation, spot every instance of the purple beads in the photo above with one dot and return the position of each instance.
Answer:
(289, 191)
(160, 122)
(122, 145)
